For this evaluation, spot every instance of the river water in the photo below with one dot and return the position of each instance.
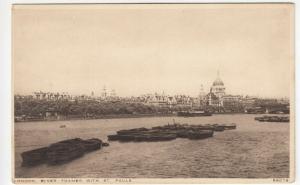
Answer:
(253, 150)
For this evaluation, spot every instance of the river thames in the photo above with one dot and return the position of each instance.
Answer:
(253, 150)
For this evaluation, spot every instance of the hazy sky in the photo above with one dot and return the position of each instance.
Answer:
(137, 49)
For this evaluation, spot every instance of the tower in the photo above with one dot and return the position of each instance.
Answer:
(104, 93)
(201, 96)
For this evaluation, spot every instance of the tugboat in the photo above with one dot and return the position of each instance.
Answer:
(193, 113)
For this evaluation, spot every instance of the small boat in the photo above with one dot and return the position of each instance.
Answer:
(105, 144)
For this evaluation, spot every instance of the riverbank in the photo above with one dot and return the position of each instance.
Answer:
(114, 116)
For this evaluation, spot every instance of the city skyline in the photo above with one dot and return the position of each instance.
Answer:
(99, 91)
(112, 92)
(173, 51)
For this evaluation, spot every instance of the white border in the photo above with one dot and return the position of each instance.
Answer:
(5, 69)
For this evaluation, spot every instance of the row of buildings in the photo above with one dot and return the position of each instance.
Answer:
(216, 99)
(55, 96)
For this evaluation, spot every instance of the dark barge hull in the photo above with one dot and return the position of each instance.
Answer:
(34, 157)
(61, 152)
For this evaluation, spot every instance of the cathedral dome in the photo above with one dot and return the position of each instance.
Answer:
(218, 82)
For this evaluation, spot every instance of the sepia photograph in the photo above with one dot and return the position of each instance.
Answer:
(153, 93)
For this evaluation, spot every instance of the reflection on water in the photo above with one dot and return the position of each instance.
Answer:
(253, 150)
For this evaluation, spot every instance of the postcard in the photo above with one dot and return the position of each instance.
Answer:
(153, 93)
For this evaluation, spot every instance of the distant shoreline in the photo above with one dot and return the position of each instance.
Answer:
(116, 117)
(101, 117)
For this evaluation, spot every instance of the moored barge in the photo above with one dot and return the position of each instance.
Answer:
(169, 132)
(273, 118)
(61, 152)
